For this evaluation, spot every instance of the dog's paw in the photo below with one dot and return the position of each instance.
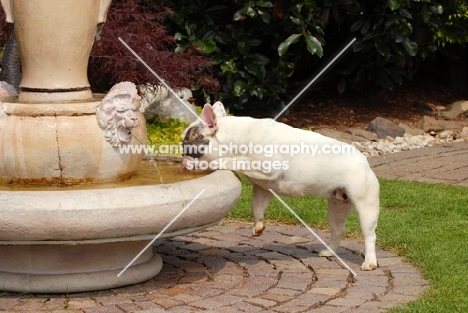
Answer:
(368, 266)
(258, 230)
(325, 253)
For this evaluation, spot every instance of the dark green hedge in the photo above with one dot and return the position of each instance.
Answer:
(257, 46)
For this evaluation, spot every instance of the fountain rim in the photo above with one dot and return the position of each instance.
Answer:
(148, 237)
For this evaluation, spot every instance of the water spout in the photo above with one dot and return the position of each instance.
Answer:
(116, 114)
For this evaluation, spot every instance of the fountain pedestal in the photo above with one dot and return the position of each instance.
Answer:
(74, 268)
(54, 41)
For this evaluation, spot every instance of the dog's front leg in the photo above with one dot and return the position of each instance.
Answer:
(260, 200)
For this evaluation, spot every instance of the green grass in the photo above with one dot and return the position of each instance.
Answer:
(425, 223)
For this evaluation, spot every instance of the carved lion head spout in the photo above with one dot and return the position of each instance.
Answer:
(116, 114)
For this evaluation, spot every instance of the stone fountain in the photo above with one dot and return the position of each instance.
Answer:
(56, 132)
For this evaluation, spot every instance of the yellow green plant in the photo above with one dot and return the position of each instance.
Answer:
(165, 133)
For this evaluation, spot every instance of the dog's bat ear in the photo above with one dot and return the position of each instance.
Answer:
(219, 110)
(209, 117)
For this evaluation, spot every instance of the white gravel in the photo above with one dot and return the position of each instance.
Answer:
(409, 142)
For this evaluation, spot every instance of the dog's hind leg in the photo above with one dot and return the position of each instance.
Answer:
(260, 200)
(368, 212)
(338, 210)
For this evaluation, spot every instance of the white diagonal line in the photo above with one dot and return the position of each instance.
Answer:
(313, 80)
(313, 233)
(162, 231)
(160, 79)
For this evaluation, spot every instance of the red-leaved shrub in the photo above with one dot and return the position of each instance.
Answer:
(140, 24)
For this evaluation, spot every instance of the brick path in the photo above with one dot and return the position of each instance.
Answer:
(224, 269)
(445, 163)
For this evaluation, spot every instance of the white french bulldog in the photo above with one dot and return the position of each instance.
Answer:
(291, 162)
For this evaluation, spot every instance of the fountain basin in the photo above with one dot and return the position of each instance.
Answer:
(79, 240)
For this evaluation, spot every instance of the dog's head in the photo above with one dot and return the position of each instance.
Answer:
(199, 135)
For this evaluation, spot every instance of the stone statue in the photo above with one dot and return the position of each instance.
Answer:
(117, 113)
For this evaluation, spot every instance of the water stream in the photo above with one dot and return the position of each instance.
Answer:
(152, 160)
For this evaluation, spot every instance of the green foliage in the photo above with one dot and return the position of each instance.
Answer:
(258, 47)
(165, 133)
(253, 45)
(454, 28)
(393, 37)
